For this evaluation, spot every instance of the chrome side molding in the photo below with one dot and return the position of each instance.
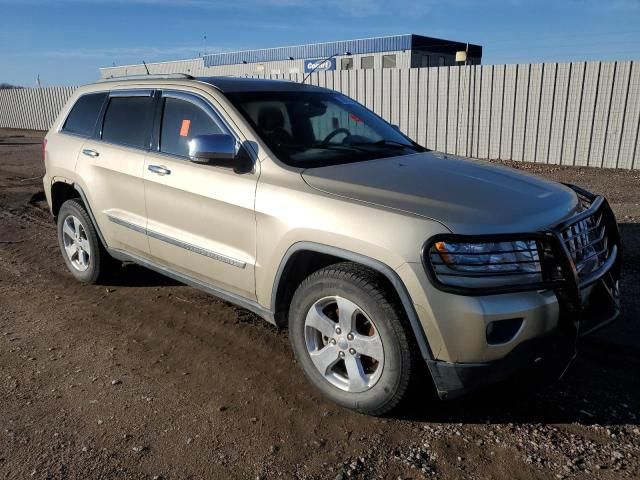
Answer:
(178, 243)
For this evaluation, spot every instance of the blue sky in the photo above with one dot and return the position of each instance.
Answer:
(65, 41)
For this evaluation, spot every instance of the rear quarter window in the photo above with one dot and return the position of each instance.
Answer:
(84, 114)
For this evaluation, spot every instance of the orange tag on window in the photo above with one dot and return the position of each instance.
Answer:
(184, 128)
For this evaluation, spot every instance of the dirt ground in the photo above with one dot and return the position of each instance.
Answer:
(149, 379)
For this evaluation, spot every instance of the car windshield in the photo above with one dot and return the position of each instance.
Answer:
(316, 129)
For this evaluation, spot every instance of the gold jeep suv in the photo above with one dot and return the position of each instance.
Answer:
(305, 207)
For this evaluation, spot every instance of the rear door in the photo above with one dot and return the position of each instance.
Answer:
(201, 219)
(112, 167)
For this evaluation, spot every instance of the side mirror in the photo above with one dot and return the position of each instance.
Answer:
(219, 149)
(397, 127)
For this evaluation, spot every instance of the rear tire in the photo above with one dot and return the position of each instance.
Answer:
(352, 339)
(83, 252)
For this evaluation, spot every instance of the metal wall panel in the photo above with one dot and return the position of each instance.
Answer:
(574, 111)
(432, 107)
(442, 106)
(370, 89)
(520, 113)
(546, 115)
(379, 91)
(587, 113)
(462, 114)
(413, 103)
(508, 111)
(484, 119)
(475, 102)
(601, 113)
(453, 113)
(396, 95)
(559, 112)
(387, 93)
(497, 99)
(617, 109)
(423, 107)
(629, 138)
(533, 110)
(403, 100)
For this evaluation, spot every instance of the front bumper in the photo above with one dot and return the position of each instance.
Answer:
(551, 353)
(586, 303)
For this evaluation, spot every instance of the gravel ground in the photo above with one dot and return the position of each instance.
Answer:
(146, 378)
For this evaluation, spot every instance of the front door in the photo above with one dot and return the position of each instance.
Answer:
(201, 219)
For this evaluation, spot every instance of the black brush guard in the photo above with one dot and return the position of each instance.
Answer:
(580, 261)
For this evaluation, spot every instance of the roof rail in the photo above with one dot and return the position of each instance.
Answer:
(147, 77)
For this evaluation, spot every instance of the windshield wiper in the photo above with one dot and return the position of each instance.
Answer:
(333, 146)
(388, 143)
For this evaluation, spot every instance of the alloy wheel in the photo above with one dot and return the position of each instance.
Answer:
(344, 344)
(76, 243)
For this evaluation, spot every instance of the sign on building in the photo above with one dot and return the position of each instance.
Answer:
(319, 64)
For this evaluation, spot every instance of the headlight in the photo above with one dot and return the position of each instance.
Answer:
(481, 264)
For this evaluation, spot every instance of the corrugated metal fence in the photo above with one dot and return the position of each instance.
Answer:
(585, 113)
(32, 108)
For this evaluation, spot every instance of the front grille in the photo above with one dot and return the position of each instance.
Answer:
(587, 242)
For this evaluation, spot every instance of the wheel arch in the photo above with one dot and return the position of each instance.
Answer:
(311, 256)
(61, 191)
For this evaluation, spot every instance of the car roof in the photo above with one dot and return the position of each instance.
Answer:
(240, 84)
(222, 84)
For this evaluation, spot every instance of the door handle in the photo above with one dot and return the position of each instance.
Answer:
(159, 169)
(90, 153)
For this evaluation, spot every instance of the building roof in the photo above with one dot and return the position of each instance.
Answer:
(327, 49)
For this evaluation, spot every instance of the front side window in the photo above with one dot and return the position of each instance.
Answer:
(388, 61)
(181, 121)
(127, 121)
(314, 129)
(84, 114)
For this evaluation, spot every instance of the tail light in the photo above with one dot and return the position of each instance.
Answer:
(44, 149)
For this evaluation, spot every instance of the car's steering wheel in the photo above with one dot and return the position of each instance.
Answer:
(337, 131)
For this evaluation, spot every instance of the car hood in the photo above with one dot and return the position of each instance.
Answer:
(467, 196)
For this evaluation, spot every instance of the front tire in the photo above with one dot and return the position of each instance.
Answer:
(83, 253)
(352, 339)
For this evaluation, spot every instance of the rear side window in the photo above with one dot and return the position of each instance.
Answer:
(84, 114)
(181, 121)
(127, 121)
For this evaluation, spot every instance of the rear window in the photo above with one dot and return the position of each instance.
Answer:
(84, 114)
(127, 121)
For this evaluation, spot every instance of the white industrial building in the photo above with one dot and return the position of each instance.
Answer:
(398, 51)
